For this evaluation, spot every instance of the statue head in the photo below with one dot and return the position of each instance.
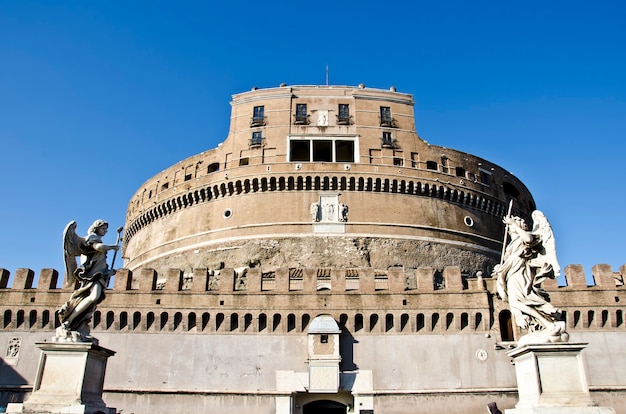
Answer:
(98, 225)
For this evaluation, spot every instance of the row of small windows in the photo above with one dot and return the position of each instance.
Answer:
(301, 116)
(221, 322)
(314, 183)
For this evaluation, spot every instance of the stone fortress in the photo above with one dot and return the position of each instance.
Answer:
(322, 259)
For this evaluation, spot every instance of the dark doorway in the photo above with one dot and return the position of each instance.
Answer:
(324, 407)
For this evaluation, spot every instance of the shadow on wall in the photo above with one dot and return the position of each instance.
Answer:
(12, 385)
(346, 349)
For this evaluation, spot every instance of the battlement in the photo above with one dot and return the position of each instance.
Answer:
(306, 280)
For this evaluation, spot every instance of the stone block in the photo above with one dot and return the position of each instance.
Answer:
(23, 279)
(425, 281)
(575, 276)
(200, 279)
(603, 276)
(453, 278)
(147, 280)
(123, 280)
(48, 279)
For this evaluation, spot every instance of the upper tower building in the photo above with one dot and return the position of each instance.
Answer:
(323, 176)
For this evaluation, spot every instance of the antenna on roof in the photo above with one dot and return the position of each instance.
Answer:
(326, 75)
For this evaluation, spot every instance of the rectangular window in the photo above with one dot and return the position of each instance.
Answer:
(301, 115)
(323, 150)
(385, 116)
(299, 151)
(415, 160)
(387, 139)
(257, 139)
(485, 177)
(444, 165)
(344, 115)
(258, 117)
(344, 151)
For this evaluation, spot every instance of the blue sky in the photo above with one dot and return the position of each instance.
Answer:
(96, 97)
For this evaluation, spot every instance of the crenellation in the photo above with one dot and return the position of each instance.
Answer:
(123, 280)
(453, 278)
(604, 277)
(23, 278)
(174, 280)
(4, 278)
(425, 279)
(48, 279)
(575, 276)
(147, 280)
(200, 280)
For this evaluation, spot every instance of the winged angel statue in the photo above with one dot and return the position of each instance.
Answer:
(528, 260)
(93, 273)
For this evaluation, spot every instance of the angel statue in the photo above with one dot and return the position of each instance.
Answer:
(529, 259)
(93, 273)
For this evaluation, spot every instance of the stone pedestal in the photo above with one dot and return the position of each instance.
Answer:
(69, 380)
(551, 379)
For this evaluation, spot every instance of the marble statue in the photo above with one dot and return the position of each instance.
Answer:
(315, 208)
(529, 259)
(89, 279)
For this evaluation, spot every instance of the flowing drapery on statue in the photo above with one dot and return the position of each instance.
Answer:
(529, 259)
(93, 273)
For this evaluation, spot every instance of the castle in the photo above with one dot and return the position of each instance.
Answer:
(322, 259)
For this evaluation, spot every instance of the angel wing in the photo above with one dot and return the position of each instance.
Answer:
(71, 249)
(542, 228)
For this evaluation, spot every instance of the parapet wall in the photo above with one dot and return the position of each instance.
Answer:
(283, 280)
(284, 301)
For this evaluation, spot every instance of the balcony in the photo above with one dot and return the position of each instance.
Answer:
(257, 121)
(388, 122)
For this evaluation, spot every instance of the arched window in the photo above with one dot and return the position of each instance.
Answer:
(247, 321)
(404, 322)
(506, 326)
(291, 322)
(149, 321)
(163, 321)
(234, 322)
(219, 321)
(358, 322)
(276, 321)
(191, 321)
(373, 321)
(262, 322)
(420, 322)
(136, 320)
(45, 318)
(388, 322)
(306, 318)
(464, 320)
(19, 320)
(32, 318)
(178, 320)
(110, 319)
(205, 321)
(449, 320)
(478, 321)
(434, 321)
(123, 320)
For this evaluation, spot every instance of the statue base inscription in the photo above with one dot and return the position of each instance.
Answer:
(551, 379)
(69, 379)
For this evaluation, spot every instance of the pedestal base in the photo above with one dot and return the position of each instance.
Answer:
(69, 380)
(551, 379)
